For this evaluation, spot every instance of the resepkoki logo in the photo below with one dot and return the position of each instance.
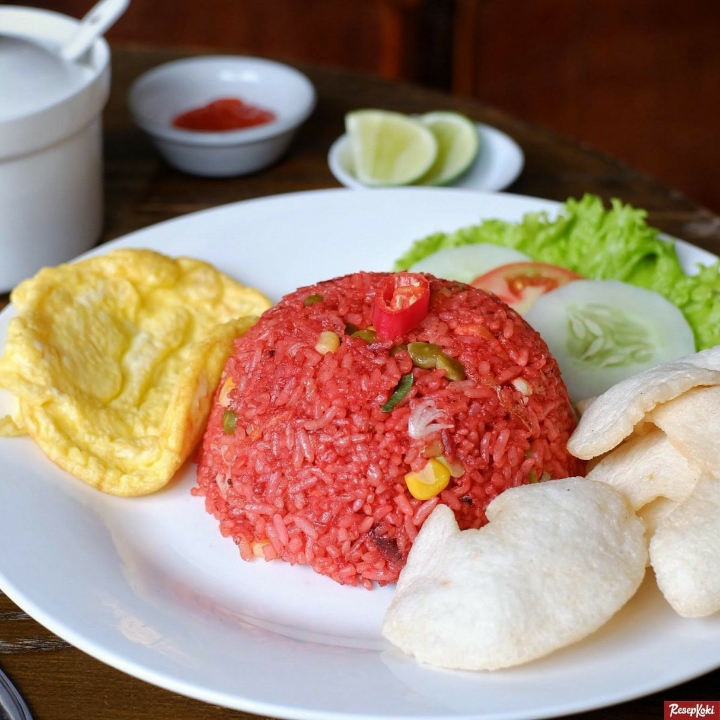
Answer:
(692, 709)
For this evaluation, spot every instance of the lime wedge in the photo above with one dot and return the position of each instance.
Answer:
(389, 148)
(458, 145)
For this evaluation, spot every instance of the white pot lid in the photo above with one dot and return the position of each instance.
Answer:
(45, 99)
(35, 78)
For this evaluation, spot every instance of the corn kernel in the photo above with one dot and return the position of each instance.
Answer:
(328, 342)
(429, 482)
(257, 547)
(456, 469)
(223, 398)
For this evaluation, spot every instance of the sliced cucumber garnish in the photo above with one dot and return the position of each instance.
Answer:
(603, 331)
(466, 262)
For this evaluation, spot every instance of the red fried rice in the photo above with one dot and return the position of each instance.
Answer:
(300, 462)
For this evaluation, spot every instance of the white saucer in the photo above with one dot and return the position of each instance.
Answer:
(498, 164)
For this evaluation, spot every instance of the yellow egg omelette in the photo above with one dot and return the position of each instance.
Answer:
(113, 362)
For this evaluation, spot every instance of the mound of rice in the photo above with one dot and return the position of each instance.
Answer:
(300, 462)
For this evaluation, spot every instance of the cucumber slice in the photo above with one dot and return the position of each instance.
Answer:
(466, 262)
(603, 331)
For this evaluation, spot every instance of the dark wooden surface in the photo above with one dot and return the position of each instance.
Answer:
(394, 39)
(60, 682)
(636, 79)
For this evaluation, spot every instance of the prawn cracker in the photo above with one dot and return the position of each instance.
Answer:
(685, 552)
(612, 416)
(498, 596)
(692, 424)
(646, 467)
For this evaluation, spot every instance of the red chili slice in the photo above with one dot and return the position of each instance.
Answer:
(401, 304)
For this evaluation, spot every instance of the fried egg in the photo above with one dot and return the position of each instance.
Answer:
(113, 362)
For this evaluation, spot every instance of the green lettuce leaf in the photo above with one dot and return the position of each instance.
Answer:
(603, 244)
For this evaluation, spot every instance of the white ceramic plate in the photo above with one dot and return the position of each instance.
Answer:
(498, 164)
(149, 586)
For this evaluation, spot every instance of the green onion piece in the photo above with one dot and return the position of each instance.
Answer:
(229, 422)
(312, 299)
(402, 389)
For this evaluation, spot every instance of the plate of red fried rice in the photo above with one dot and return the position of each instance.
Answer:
(149, 586)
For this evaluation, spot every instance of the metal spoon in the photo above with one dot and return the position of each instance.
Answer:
(12, 706)
(102, 16)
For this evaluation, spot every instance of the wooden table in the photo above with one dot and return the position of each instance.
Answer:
(60, 682)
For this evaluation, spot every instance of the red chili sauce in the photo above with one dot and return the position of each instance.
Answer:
(222, 115)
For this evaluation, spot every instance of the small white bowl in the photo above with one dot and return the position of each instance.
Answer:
(164, 92)
(498, 164)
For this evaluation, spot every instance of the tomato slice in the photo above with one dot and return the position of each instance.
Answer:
(520, 284)
(402, 302)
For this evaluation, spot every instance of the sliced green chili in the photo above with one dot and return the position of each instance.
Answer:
(428, 356)
(367, 335)
(454, 369)
(424, 355)
(312, 299)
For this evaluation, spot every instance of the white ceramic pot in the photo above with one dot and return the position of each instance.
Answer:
(51, 167)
